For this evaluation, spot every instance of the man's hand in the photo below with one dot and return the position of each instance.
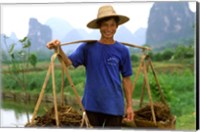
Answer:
(129, 114)
(53, 44)
(128, 89)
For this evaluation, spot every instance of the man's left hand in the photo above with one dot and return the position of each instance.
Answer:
(129, 114)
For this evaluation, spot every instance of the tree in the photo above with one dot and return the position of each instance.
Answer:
(183, 52)
(134, 58)
(158, 57)
(19, 64)
(20, 60)
(32, 60)
(167, 54)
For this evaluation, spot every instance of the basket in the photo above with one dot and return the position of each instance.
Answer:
(169, 124)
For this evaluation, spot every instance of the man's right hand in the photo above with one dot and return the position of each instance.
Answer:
(54, 44)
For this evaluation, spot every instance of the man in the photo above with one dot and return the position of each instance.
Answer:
(106, 62)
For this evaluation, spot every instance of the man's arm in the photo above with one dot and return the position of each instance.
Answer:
(128, 89)
(55, 44)
(62, 55)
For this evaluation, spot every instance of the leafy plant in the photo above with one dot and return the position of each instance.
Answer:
(19, 61)
(32, 60)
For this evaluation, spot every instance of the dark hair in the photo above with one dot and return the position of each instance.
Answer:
(116, 18)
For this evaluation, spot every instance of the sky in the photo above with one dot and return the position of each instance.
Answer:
(15, 17)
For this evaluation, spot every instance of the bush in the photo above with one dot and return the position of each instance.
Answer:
(134, 58)
(184, 52)
(167, 54)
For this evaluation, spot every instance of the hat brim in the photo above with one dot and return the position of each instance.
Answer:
(93, 24)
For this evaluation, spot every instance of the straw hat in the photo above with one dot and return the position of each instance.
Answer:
(106, 11)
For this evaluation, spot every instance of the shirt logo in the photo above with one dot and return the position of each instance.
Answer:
(112, 61)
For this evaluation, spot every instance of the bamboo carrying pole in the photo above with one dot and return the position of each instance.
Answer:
(41, 94)
(51, 70)
(54, 89)
(155, 76)
(142, 93)
(143, 66)
(62, 87)
(149, 91)
(84, 118)
(91, 41)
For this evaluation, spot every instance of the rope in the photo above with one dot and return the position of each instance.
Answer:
(84, 116)
(64, 69)
(41, 94)
(54, 88)
(51, 70)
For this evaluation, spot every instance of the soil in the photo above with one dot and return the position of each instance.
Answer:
(162, 112)
(163, 116)
(69, 117)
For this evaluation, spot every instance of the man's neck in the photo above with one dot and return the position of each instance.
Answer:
(107, 41)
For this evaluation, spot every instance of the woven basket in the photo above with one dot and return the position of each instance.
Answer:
(169, 124)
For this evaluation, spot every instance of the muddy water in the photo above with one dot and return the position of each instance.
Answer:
(10, 118)
(17, 114)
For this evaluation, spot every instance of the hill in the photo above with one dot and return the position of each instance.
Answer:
(169, 23)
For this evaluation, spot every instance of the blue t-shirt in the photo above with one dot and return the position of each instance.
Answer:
(104, 66)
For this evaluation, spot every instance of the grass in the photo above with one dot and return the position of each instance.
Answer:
(186, 122)
(176, 80)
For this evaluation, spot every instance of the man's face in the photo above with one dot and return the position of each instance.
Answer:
(108, 28)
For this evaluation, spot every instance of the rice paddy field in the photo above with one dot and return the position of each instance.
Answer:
(177, 82)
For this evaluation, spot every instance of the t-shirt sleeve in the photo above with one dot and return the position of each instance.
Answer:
(77, 57)
(126, 68)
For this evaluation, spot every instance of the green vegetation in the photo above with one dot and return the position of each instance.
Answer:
(179, 53)
(36, 79)
(19, 61)
(174, 68)
(177, 86)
